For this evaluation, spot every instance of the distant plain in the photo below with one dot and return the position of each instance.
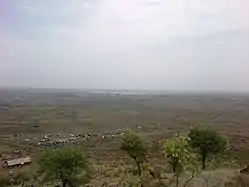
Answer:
(33, 113)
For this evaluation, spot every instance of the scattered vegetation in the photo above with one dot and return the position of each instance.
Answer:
(70, 167)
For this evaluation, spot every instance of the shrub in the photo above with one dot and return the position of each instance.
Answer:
(4, 180)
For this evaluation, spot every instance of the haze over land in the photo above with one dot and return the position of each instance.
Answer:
(179, 45)
(93, 76)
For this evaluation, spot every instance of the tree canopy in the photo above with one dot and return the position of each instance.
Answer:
(64, 164)
(178, 153)
(135, 148)
(207, 142)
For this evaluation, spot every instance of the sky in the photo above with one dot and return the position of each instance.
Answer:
(193, 45)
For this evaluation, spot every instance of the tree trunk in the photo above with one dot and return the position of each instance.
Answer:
(177, 180)
(64, 183)
(174, 164)
(70, 183)
(204, 155)
(138, 167)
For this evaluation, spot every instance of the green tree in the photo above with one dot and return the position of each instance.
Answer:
(66, 165)
(4, 181)
(180, 157)
(135, 147)
(207, 142)
(178, 153)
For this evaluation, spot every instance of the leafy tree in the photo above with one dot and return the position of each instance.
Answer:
(178, 152)
(179, 155)
(66, 165)
(4, 180)
(207, 142)
(135, 148)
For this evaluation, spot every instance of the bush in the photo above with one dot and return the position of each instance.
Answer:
(22, 178)
(4, 181)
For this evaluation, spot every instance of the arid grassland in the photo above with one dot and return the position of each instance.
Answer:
(31, 120)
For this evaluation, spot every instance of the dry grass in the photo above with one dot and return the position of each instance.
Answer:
(123, 177)
(57, 113)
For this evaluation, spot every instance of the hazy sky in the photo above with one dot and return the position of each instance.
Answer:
(131, 44)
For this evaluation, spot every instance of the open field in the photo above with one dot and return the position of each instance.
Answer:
(30, 114)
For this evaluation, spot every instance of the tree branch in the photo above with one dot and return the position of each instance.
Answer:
(191, 178)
